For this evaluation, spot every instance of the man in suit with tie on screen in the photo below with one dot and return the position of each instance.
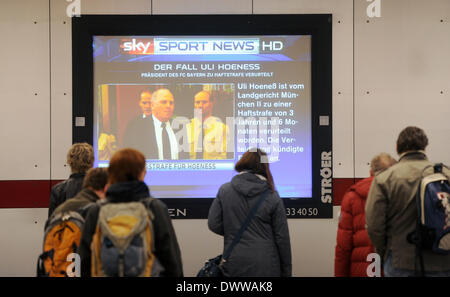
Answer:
(154, 136)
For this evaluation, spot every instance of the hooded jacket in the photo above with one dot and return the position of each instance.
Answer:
(264, 249)
(167, 249)
(353, 243)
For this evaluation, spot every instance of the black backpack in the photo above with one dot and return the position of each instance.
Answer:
(433, 215)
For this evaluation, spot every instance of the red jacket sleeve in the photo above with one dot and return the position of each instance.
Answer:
(344, 241)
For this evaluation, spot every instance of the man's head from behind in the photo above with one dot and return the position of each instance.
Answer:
(380, 163)
(96, 180)
(162, 104)
(202, 100)
(145, 102)
(411, 139)
(80, 157)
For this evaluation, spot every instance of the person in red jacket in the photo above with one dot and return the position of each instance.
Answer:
(353, 243)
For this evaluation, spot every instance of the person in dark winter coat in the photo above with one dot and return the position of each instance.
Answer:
(80, 159)
(353, 243)
(94, 188)
(264, 249)
(126, 173)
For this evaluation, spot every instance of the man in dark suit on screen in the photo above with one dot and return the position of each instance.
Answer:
(154, 135)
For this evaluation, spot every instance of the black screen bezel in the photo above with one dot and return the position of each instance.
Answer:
(318, 26)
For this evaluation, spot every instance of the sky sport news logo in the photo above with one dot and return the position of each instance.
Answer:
(198, 46)
(137, 46)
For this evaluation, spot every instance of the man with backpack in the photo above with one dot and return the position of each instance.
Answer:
(63, 229)
(130, 234)
(392, 210)
(94, 189)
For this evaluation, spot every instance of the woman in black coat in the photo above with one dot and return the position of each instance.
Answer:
(264, 248)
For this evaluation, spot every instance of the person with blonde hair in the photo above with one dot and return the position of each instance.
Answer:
(80, 158)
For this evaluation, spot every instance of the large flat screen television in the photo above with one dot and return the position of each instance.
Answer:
(223, 84)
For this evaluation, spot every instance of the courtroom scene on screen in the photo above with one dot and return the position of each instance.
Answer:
(166, 121)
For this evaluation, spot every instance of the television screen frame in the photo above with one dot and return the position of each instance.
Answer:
(319, 26)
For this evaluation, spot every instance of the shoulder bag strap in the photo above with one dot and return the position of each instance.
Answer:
(244, 226)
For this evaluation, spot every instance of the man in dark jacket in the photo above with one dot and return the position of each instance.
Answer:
(94, 188)
(80, 159)
(391, 212)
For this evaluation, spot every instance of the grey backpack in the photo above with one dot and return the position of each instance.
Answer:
(123, 243)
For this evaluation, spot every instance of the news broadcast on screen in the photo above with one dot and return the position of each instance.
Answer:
(193, 104)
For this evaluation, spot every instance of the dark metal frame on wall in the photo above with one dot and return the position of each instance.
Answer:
(317, 25)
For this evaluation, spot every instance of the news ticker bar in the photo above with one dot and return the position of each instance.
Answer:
(182, 166)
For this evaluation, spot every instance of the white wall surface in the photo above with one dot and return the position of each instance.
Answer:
(25, 90)
(202, 7)
(61, 88)
(22, 232)
(401, 60)
(402, 65)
